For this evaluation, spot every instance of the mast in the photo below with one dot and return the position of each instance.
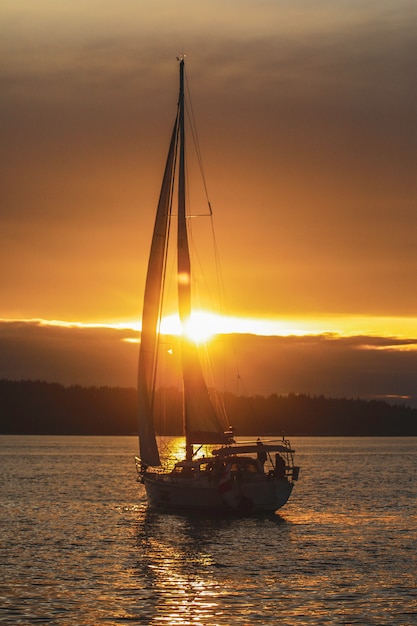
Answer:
(184, 264)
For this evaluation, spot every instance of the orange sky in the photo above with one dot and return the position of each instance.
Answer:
(306, 118)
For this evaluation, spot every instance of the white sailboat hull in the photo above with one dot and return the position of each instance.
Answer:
(265, 494)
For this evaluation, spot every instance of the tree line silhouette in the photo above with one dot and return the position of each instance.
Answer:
(40, 408)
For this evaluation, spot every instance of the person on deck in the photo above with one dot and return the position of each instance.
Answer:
(279, 466)
(261, 453)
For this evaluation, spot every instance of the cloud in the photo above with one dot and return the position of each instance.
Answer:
(69, 355)
(365, 367)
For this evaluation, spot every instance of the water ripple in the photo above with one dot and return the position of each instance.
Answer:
(79, 545)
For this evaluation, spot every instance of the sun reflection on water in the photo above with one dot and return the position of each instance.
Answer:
(173, 449)
(175, 561)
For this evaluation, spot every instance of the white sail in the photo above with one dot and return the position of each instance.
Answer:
(151, 313)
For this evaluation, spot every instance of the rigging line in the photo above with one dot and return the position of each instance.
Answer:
(219, 276)
(219, 302)
(194, 134)
(222, 297)
(193, 128)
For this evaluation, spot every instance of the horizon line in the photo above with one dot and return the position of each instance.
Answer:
(204, 325)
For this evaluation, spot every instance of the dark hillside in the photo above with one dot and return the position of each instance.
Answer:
(39, 408)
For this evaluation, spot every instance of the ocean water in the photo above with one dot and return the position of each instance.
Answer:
(79, 546)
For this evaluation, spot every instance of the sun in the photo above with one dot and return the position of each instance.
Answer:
(200, 327)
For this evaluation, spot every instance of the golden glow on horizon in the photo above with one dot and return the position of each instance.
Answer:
(406, 347)
(204, 325)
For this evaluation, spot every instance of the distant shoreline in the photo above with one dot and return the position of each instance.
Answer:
(40, 408)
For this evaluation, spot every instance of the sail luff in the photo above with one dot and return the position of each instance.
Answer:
(151, 312)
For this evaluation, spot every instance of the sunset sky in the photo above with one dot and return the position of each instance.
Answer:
(306, 113)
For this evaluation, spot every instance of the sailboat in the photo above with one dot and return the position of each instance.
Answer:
(216, 473)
